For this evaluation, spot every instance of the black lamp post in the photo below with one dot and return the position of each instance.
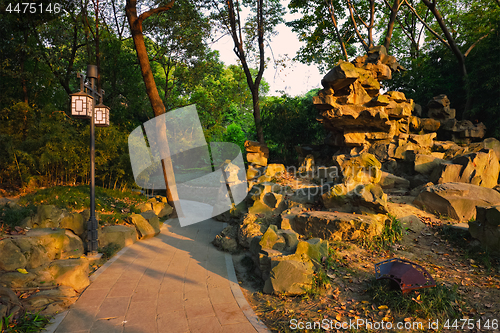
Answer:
(84, 106)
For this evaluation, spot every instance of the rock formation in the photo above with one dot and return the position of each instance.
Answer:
(378, 144)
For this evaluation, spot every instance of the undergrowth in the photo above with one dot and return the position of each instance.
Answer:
(462, 239)
(440, 302)
(112, 205)
(392, 233)
(28, 323)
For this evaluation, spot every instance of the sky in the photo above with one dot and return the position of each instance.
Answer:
(295, 79)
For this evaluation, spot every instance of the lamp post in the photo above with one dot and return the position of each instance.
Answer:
(84, 106)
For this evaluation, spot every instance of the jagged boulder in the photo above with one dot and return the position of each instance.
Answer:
(292, 276)
(70, 272)
(336, 225)
(257, 153)
(456, 200)
(47, 216)
(118, 235)
(390, 181)
(486, 228)
(15, 258)
(480, 168)
(144, 229)
(227, 240)
(361, 169)
(439, 108)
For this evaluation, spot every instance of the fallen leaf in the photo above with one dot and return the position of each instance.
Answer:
(383, 307)
(22, 271)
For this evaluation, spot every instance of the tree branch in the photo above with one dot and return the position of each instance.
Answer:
(426, 25)
(477, 41)
(157, 10)
(356, 26)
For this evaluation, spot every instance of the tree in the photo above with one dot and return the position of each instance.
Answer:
(361, 24)
(177, 40)
(249, 38)
(135, 23)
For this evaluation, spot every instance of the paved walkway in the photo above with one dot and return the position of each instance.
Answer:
(175, 282)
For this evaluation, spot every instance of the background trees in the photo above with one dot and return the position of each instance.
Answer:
(41, 145)
(40, 54)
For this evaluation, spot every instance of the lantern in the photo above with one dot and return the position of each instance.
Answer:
(81, 105)
(101, 115)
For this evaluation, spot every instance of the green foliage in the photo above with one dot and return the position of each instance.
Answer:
(392, 233)
(462, 239)
(440, 302)
(13, 215)
(77, 197)
(235, 134)
(288, 122)
(109, 250)
(28, 323)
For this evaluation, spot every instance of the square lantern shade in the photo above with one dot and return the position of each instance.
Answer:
(81, 105)
(101, 115)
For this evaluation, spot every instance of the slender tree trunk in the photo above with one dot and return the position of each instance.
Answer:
(135, 23)
(339, 36)
(353, 19)
(390, 26)
(456, 51)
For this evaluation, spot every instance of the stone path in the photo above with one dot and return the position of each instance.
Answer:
(175, 282)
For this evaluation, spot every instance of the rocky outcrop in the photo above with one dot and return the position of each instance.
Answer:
(144, 228)
(257, 153)
(285, 263)
(117, 235)
(481, 168)
(336, 225)
(456, 200)
(49, 216)
(486, 228)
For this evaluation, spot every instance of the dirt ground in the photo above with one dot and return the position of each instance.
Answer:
(450, 255)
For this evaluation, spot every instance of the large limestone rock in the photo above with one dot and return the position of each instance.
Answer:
(486, 228)
(249, 229)
(75, 223)
(268, 203)
(51, 240)
(463, 131)
(336, 226)
(340, 76)
(144, 229)
(11, 257)
(290, 277)
(456, 200)
(153, 220)
(351, 106)
(72, 245)
(17, 279)
(47, 216)
(372, 197)
(227, 240)
(119, 235)
(361, 169)
(480, 168)
(257, 153)
(439, 108)
(390, 181)
(71, 272)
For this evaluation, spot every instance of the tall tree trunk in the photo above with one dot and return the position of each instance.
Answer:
(390, 26)
(253, 85)
(331, 10)
(456, 51)
(135, 23)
